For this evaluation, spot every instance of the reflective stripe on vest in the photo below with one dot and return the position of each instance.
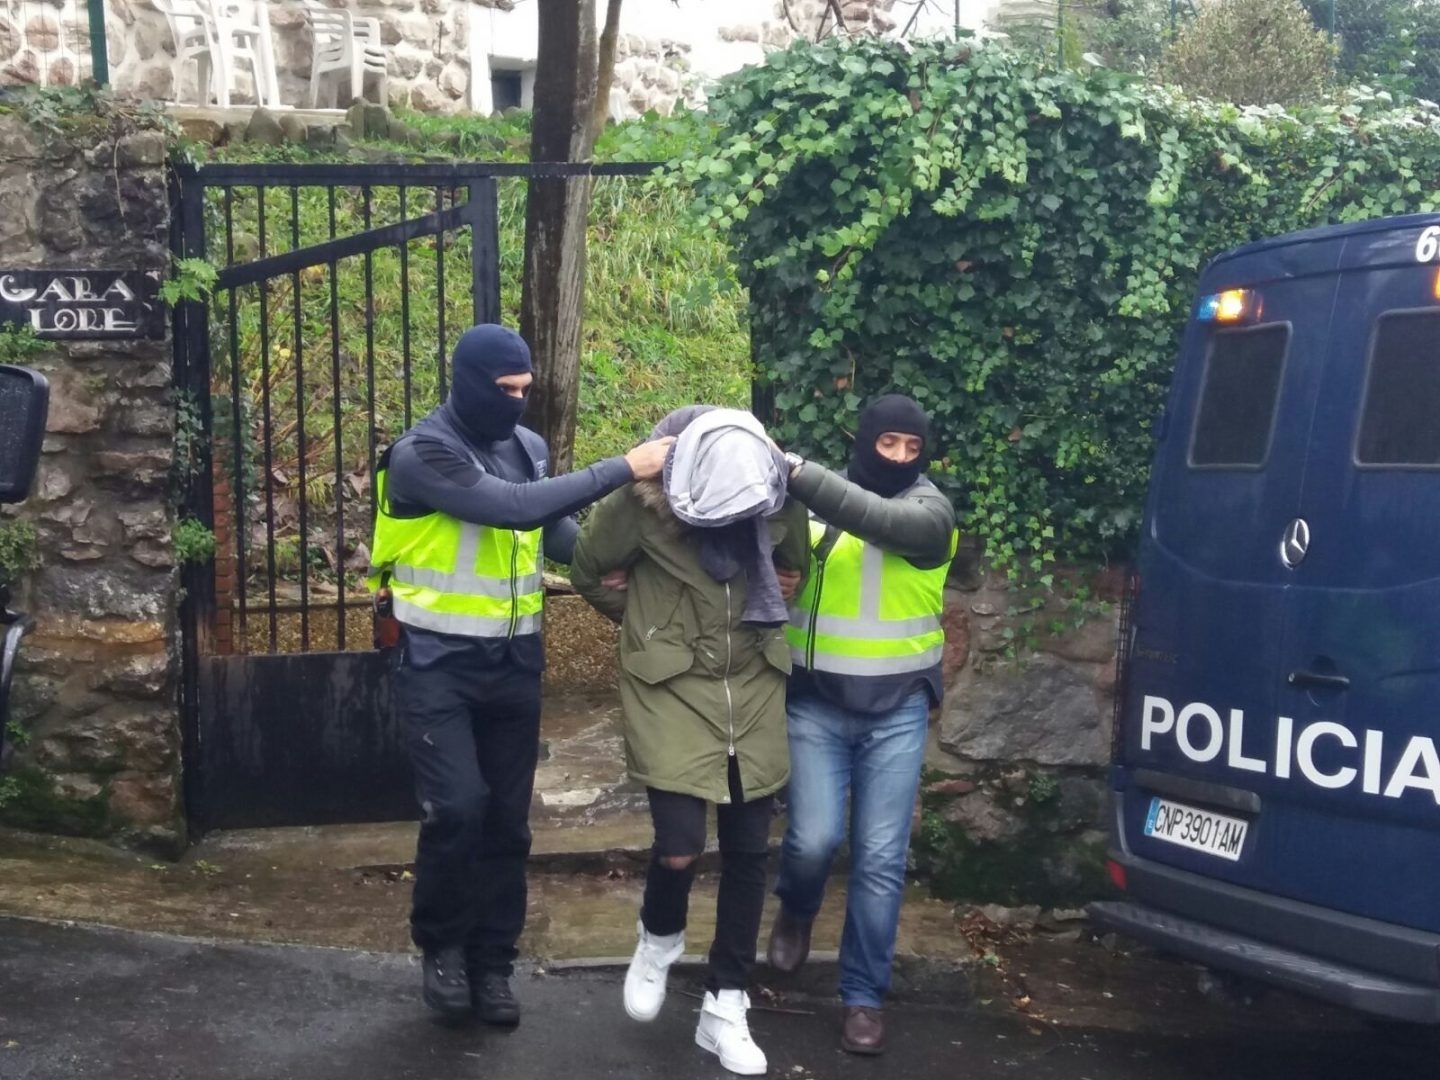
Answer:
(866, 612)
(454, 577)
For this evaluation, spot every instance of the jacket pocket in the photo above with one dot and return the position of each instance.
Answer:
(777, 652)
(657, 662)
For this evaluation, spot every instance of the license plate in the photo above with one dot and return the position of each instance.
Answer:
(1200, 830)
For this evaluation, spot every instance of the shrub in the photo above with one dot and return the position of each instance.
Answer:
(1252, 52)
(1017, 248)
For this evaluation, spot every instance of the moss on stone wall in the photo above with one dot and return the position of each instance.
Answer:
(29, 799)
(80, 115)
(1013, 838)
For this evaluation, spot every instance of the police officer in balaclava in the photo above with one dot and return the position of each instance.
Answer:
(866, 642)
(466, 517)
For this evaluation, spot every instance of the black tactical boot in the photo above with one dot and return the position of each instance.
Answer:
(447, 986)
(494, 1003)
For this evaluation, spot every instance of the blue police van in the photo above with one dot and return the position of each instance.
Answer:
(1276, 772)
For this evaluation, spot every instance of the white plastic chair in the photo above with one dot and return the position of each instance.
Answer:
(217, 40)
(194, 35)
(345, 46)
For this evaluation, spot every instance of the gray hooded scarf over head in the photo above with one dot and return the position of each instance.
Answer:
(723, 478)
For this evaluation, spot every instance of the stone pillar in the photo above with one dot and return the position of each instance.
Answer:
(96, 693)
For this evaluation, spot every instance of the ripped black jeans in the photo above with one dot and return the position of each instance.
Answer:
(744, 832)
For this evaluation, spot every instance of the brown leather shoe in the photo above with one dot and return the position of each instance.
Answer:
(864, 1031)
(789, 942)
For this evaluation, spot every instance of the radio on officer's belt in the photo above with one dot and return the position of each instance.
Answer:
(387, 627)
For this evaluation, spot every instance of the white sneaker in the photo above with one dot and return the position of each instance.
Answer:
(645, 979)
(724, 1031)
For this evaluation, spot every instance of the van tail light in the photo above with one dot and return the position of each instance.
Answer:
(1116, 873)
(1124, 645)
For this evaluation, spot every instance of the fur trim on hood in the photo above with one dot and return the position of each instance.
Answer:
(651, 494)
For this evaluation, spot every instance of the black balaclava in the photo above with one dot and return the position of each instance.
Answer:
(483, 411)
(893, 412)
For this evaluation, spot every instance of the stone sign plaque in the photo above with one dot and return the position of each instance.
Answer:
(84, 303)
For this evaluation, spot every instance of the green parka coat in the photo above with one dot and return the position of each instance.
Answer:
(696, 684)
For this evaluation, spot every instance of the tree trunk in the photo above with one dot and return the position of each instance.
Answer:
(605, 77)
(552, 298)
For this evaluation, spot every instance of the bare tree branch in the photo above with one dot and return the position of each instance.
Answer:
(832, 7)
(785, 9)
(918, 7)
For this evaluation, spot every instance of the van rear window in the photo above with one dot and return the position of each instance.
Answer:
(1400, 424)
(1237, 403)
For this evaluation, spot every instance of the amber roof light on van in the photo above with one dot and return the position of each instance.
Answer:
(1230, 306)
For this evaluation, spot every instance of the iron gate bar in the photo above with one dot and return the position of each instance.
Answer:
(269, 429)
(370, 353)
(440, 292)
(336, 427)
(298, 318)
(405, 311)
(237, 477)
(292, 262)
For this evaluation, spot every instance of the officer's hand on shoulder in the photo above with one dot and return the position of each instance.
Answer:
(647, 460)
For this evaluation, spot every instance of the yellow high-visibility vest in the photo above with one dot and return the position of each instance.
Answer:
(453, 577)
(864, 611)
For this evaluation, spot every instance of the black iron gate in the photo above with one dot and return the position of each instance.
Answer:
(326, 334)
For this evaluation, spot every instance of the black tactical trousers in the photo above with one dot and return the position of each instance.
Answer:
(474, 738)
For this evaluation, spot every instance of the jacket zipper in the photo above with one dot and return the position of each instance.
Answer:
(514, 583)
(729, 653)
(815, 611)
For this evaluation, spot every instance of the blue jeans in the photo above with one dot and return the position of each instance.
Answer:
(876, 760)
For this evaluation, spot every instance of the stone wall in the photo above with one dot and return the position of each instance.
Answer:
(652, 75)
(1014, 807)
(96, 690)
(812, 19)
(43, 43)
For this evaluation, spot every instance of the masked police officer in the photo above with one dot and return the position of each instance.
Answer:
(465, 518)
(866, 641)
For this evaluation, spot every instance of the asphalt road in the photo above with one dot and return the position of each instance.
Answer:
(78, 1002)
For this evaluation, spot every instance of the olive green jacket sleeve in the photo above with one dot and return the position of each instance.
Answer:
(609, 540)
(916, 525)
(793, 550)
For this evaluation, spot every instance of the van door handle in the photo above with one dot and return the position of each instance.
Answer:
(1314, 678)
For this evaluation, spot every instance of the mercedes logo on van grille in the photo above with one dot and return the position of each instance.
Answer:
(1295, 544)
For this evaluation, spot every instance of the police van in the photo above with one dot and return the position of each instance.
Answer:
(1276, 771)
